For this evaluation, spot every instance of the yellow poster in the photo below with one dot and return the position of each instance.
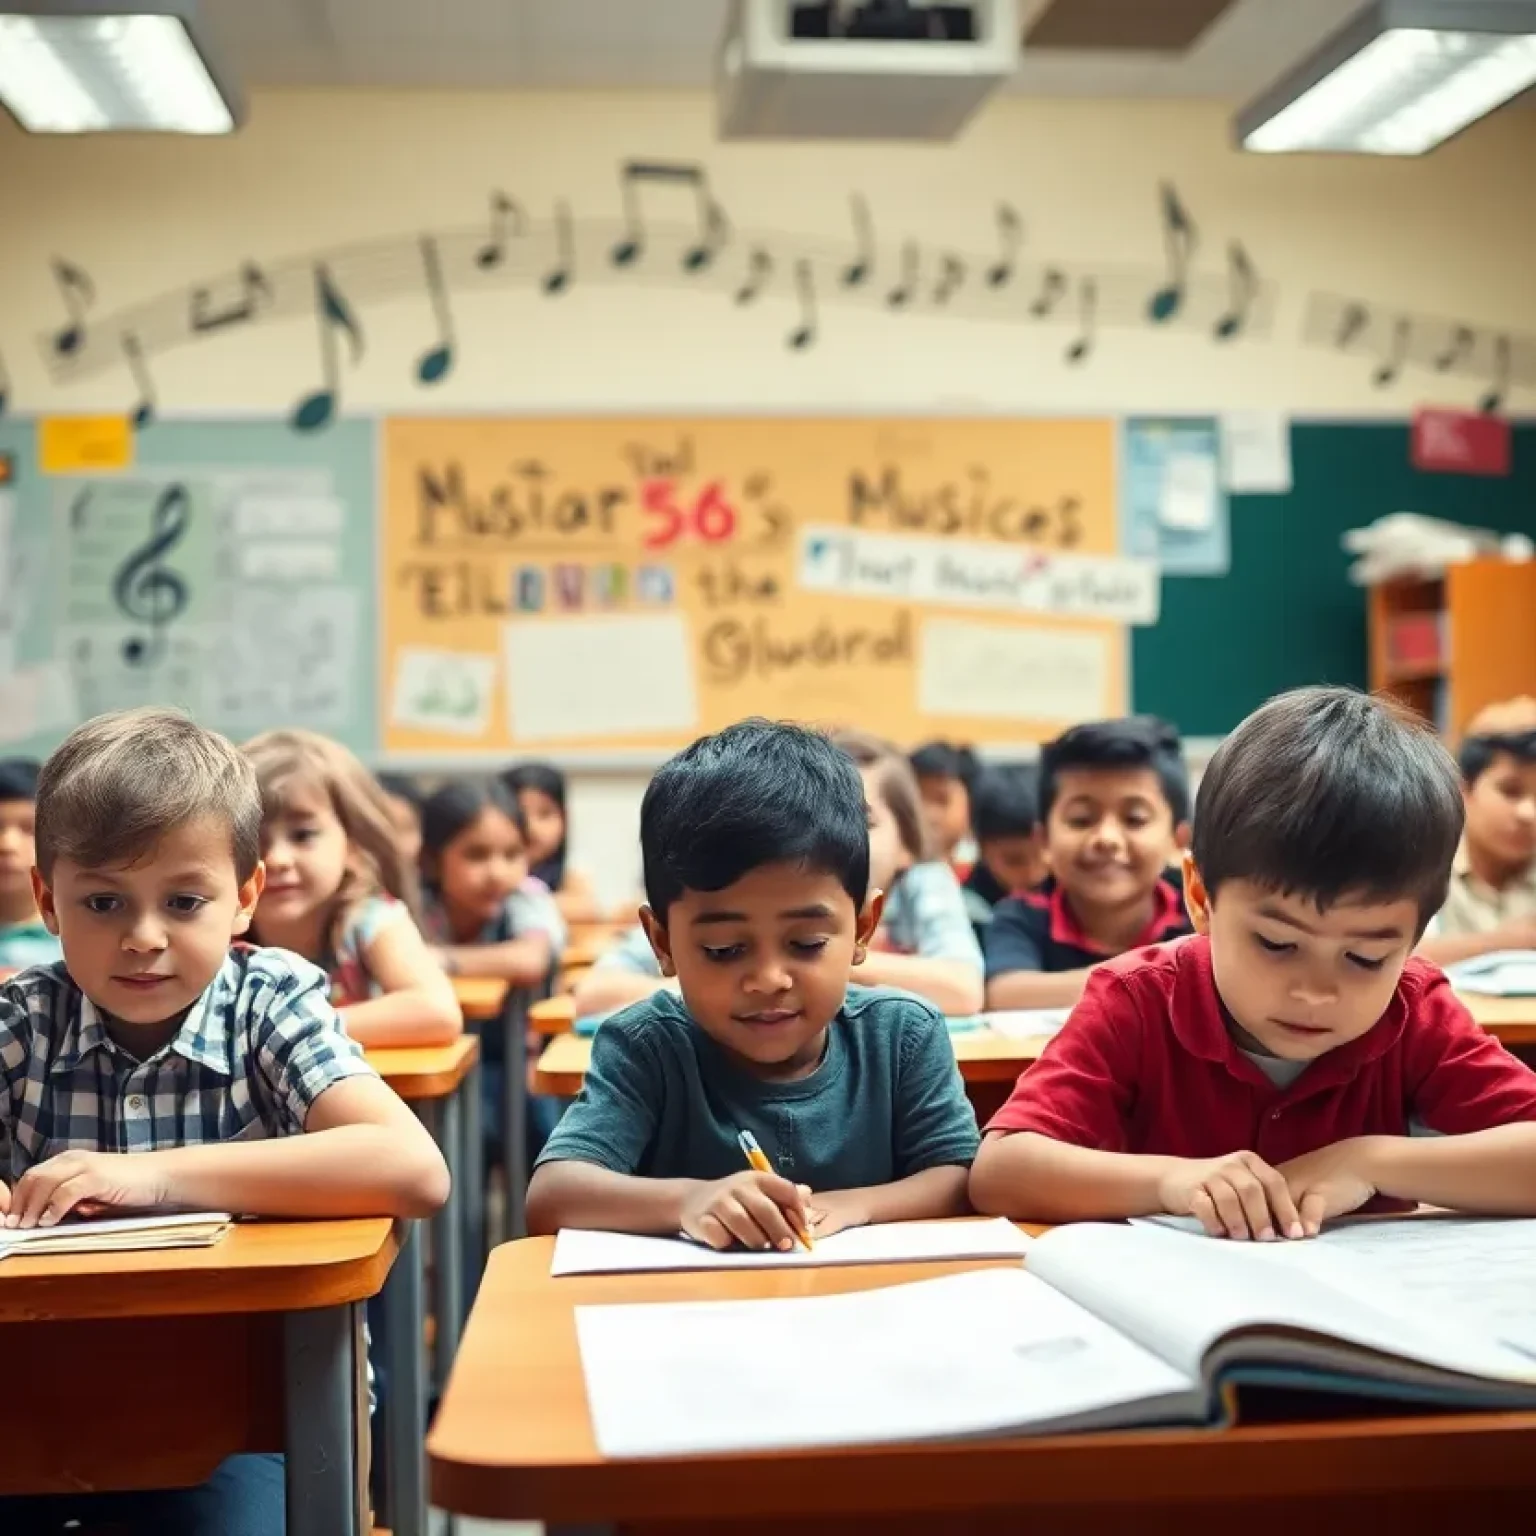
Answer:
(74, 445)
(614, 583)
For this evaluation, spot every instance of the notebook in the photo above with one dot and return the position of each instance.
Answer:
(118, 1234)
(1506, 973)
(898, 1242)
(1109, 1327)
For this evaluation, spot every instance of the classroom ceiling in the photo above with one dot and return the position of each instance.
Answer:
(1075, 47)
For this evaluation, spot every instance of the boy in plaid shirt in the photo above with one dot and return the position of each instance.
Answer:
(158, 1067)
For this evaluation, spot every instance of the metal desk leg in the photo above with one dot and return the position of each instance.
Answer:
(448, 1238)
(515, 1023)
(324, 1422)
(405, 1390)
(472, 1201)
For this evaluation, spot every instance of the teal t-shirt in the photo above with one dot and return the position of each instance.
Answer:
(663, 1100)
(27, 943)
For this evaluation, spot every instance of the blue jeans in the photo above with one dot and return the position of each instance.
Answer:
(244, 1497)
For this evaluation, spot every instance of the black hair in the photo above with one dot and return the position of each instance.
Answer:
(1133, 741)
(1324, 792)
(1478, 752)
(942, 760)
(545, 779)
(756, 793)
(401, 786)
(1005, 801)
(18, 778)
(452, 807)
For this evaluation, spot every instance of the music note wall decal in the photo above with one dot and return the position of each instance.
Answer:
(79, 293)
(901, 294)
(147, 590)
(1010, 235)
(951, 275)
(144, 409)
(1352, 324)
(713, 228)
(561, 275)
(1493, 401)
(1179, 241)
(857, 271)
(506, 219)
(332, 314)
(1053, 284)
(1242, 288)
(1457, 350)
(804, 334)
(5, 386)
(434, 365)
(254, 290)
(759, 270)
(1087, 313)
(1392, 364)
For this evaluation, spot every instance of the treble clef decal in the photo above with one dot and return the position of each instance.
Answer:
(148, 590)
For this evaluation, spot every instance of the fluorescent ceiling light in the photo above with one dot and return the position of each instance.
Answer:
(1402, 77)
(69, 67)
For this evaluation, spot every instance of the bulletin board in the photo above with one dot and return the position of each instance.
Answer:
(222, 567)
(552, 584)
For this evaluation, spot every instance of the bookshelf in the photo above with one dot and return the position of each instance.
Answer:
(1449, 646)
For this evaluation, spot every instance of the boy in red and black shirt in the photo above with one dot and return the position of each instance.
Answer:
(1283, 1067)
(1114, 801)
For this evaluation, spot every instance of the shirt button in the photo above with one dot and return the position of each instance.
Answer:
(1274, 1114)
(136, 1102)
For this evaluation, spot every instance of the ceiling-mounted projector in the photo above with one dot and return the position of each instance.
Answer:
(880, 69)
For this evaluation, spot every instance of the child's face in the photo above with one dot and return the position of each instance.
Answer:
(483, 865)
(888, 856)
(1017, 862)
(1501, 811)
(18, 849)
(764, 964)
(546, 824)
(947, 810)
(406, 820)
(1301, 981)
(143, 940)
(1109, 835)
(305, 850)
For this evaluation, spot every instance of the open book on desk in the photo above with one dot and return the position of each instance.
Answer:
(1110, 1327)
(118, 1234)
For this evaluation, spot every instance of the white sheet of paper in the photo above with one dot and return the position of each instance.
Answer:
(1026, 1023)
(449, 691)
(1505, 973)
(1256, 452)
(291, 560)
(986, 1351)
(909, 1242)
(271, 514)
(1012, 673)
(1188, 496)
(110, 1230)
(616, 675)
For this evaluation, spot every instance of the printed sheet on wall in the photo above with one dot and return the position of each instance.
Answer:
(614, 584)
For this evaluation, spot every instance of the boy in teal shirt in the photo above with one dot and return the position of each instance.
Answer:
(756, 848)
(24, 940)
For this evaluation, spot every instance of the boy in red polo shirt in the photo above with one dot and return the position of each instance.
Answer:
(1282, 1067)
(1114, 800)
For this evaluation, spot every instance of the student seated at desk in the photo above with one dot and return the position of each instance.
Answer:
(24, 937)
(339, 893)
(756, 850)
(540, 791)
(1114, 797)
(1491, 903)
(1273, 1072)
(223, 1069)
(944, 775)
(1010, 842)
(403, 795)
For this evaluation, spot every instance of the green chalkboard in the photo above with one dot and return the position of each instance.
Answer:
(1286, 615)
(230, 571)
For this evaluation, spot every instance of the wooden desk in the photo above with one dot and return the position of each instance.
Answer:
(553, 1015)
(984, 1057)
(1512, 1019)
(513, 1440)
(145, 1370)
(442, 1084)
(481, 997)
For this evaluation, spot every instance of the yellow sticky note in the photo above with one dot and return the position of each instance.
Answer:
(72, 445)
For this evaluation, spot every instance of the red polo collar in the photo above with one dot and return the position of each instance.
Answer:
(1167, 913)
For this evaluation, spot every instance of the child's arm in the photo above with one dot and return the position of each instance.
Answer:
(626, 972)
(524, 961)
(418, 1006)
(1036, 989)
(953, 986)
(577, 899)
(363, 1153)
(1448, 948)
(924, 1196)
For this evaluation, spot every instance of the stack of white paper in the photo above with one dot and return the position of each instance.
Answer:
(1026, 1023)
(1506, 973)
(122, 1234)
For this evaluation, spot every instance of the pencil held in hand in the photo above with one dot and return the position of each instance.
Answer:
(758, 1159)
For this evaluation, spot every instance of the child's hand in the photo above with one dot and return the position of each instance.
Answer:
(1237, 1196)
(836, 1211)
(1328, 1182)
(87, 1183)
(5, 1197)
(757, 1210)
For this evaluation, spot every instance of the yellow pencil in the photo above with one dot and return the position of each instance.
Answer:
(759, 1160)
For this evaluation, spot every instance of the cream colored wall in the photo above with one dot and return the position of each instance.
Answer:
(1448, 235)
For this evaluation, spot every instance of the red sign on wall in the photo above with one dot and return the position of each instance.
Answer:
(1460, 443)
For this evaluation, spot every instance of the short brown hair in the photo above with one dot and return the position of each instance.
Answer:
(120, 782)
(285, 759)
(897, 783)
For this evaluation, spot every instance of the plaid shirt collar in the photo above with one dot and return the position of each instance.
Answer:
(203, 1037)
